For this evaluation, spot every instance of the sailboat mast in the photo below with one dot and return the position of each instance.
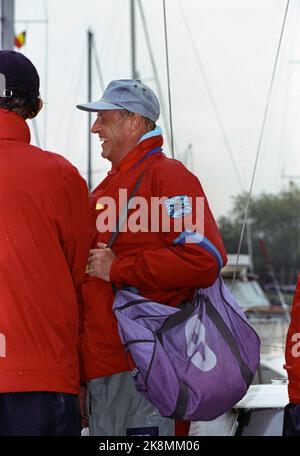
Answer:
(133, 40)
(89, 164)
(7, 34)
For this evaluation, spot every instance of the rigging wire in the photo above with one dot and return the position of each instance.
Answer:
(168, 78)
(211, 98)
(260, 143)
(152, 60)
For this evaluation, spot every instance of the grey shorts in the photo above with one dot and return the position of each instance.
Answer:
(117, 408)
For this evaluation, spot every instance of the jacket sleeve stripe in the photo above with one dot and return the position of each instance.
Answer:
(209, 246)
(189, 237)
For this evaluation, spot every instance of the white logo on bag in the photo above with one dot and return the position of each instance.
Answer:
(195, 336)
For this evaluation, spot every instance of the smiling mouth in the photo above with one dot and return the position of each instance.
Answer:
(103, 141)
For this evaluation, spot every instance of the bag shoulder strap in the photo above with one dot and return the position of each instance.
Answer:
(123, 217)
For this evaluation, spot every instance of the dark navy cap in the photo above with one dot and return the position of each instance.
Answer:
(18, 76)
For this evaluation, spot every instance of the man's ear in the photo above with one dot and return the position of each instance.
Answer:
(136, 123)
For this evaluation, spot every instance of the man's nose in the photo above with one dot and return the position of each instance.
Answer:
(96, 125)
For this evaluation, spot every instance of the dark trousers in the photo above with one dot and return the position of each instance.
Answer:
(39, 413)
(291, 420)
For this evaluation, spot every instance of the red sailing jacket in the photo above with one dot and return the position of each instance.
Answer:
(43, 253)
(163, 266)
(292, 349)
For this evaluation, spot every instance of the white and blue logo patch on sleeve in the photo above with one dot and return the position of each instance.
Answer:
(178, 206)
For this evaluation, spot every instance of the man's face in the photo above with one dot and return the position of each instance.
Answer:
(113, 129)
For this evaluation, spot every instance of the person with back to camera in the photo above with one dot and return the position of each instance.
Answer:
(44, 242)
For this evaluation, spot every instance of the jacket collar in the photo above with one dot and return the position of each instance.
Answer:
(147, 142)
(13, 127)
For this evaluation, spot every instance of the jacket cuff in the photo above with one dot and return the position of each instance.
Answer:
(114, 276)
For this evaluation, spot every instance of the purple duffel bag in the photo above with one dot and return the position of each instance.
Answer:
(193, 362)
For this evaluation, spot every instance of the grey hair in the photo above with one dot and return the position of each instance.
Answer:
(148, 123)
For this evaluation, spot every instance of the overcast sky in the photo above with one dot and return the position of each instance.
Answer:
(236, 41)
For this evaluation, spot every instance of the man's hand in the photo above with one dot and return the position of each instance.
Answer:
(100, 261)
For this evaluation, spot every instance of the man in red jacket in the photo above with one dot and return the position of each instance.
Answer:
(43, 252)
(163, 254)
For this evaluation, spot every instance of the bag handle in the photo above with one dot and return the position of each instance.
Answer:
(177, 318)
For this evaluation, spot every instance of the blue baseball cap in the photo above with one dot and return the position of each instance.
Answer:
(130, 94)
(20, 76)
